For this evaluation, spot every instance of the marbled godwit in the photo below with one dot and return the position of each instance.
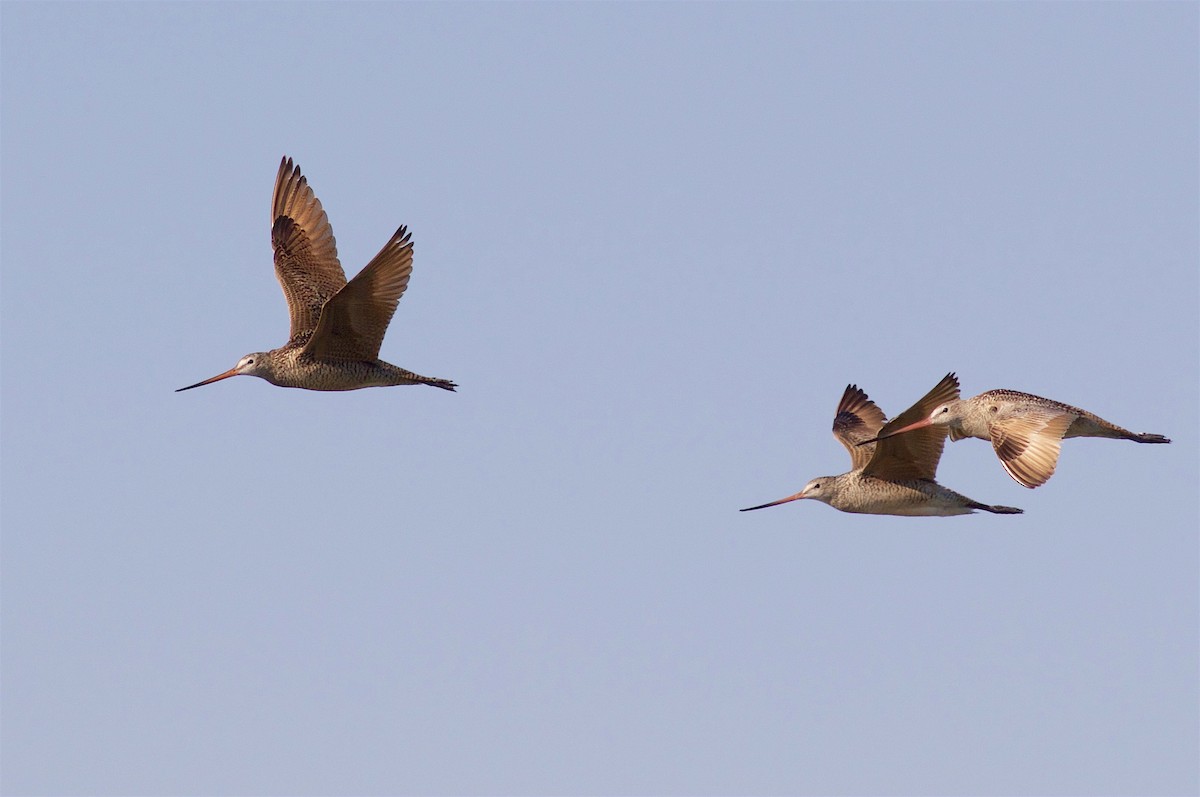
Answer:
(1025, 430)
(337, 326)
(889, 479)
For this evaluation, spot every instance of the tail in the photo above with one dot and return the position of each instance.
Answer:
(395, 375)
(1087, 424)
(999, 510)
(444, 384)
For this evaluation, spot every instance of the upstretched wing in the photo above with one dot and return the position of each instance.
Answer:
(353, 322)
(306, 260)
(915, 454)
(857, 419)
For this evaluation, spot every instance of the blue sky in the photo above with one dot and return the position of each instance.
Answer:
(653, 244)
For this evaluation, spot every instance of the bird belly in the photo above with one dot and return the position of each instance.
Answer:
(879, 497)
(301, 371)
(307, 373)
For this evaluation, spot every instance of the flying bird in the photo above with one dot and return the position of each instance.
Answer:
(894, 476)
(1025, 430)
(337, 326)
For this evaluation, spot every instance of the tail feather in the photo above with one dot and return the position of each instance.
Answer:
(401, 376)
(999, 510)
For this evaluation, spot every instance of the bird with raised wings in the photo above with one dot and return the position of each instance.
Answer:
(1025, 430)
(894, 476)
(337, 326)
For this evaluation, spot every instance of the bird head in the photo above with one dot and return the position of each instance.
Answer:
(256, 364)
(820, 489)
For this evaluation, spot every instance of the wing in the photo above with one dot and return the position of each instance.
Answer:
(306, 260)
(915, 454)
(354, 321)
(857, 419)
(1028, 444)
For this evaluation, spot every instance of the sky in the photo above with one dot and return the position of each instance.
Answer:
(653, 244)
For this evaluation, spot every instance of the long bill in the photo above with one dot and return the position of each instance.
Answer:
(217, 378)
(921, 424)
(795, 497)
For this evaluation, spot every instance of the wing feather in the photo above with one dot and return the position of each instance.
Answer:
(857, 419)
(1028, 444)
(915, 454)
(352, 323)
(306, 261)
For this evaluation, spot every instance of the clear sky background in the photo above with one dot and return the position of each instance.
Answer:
(654, 242)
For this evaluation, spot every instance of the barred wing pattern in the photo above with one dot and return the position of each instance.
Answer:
(306, 260)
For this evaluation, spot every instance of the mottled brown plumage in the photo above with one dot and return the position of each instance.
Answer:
(336, 327)
(1025, 430)
(890, 475)
(857, 419)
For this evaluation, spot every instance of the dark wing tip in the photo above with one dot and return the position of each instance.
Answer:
(857, 418)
